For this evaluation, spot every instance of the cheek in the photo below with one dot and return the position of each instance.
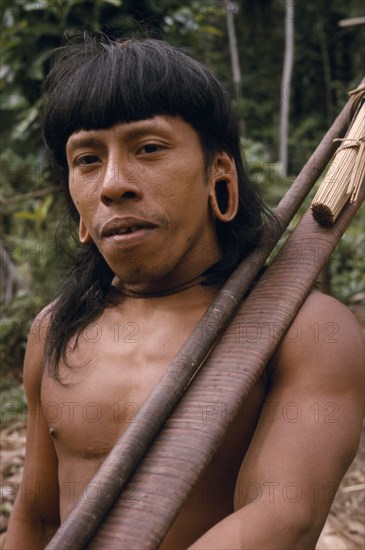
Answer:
(184, 190)
(83, 199)
(188, 214)
(73, 190)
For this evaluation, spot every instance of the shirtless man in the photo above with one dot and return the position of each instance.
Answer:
(149, 152)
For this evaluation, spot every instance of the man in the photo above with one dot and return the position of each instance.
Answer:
(149, 152)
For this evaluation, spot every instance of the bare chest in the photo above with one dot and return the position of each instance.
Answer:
(111, 369)
(110, 374)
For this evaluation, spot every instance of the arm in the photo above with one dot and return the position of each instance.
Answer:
(306, 438)
(35, 516)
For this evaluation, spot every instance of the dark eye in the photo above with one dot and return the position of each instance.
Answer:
(151, 148)
(86, 160)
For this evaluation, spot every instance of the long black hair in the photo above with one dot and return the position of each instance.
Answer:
(95, 82)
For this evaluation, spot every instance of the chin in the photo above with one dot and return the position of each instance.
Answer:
(146, 270)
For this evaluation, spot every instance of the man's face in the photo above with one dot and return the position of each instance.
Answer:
(143, 198)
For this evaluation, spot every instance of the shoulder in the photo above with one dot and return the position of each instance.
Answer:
(323, 345)
(311, 421)
(323, 309)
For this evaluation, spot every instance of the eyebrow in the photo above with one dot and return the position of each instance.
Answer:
(144, 127)
(125, 134)
(79, 142)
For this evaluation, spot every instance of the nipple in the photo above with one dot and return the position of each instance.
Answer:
(52, 431)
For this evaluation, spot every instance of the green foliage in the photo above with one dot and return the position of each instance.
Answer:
(347, 265)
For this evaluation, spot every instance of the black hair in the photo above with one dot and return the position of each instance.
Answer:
(95, 82)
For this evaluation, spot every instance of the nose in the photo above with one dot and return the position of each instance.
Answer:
(120, 182)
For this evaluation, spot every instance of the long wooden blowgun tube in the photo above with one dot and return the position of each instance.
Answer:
(114, 473)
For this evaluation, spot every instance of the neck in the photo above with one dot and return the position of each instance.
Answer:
(189, 274)
(193, 282)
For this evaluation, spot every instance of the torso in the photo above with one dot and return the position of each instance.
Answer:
(118, 360)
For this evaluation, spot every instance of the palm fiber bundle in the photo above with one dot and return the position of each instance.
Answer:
(346, 173)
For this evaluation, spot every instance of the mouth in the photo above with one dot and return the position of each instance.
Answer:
(122, 228)
(125, 231)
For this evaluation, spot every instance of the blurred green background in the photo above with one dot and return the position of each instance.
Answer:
(328, 62)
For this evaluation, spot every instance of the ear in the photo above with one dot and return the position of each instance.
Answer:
(224, 188)
(84, 235)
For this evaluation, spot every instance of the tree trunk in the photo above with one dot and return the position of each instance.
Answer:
(233, 50)
(235, 61)
(327, 73)
(285, 85)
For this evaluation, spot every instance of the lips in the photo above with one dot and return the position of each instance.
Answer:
(125, 226)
